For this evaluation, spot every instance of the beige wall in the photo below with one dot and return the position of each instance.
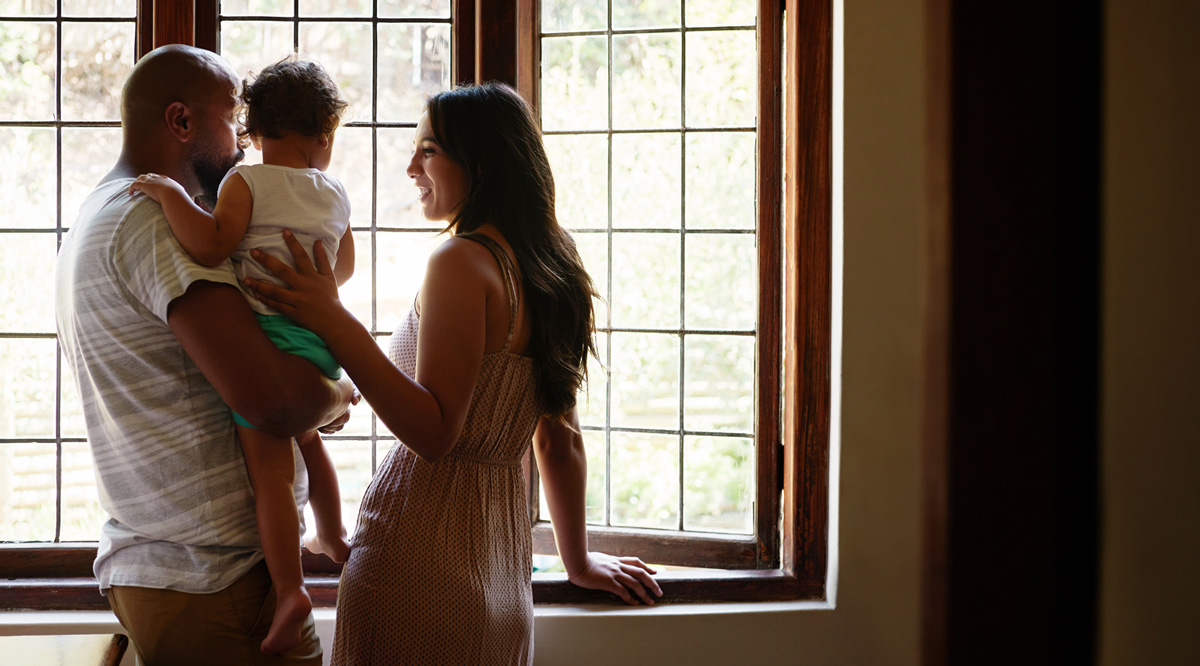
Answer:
(1150, 582)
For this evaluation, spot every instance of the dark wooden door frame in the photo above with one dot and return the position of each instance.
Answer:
(1011, 415)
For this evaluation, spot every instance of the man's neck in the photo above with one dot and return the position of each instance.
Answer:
(131, 166)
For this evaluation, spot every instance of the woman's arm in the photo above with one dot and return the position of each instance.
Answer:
(209, 238)
(426, 413)
(562, 464)
(281, 393)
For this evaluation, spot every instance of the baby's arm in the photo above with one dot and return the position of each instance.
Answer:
(208, 237)
(344, 268)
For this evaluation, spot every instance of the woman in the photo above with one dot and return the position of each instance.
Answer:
(491, 355)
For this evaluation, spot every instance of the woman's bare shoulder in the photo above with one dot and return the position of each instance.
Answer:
(460, 259)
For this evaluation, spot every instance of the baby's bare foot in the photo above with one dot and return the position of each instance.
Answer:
(336, 549)
(291, 610)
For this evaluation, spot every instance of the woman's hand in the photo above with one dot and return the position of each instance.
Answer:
(623, 576)
(311, 295)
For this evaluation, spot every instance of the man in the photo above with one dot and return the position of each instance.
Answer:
(163, 348)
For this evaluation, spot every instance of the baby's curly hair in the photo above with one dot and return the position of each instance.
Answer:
(293, 95)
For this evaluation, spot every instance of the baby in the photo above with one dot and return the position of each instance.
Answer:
(292, 109)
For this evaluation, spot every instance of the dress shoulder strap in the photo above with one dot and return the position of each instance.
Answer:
(508, 271)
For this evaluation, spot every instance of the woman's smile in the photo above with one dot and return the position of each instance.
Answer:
(441, 181)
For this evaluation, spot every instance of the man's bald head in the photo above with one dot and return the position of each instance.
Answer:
(178, 118)
(169, 74)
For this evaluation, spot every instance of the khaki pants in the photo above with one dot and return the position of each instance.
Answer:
(170, 628)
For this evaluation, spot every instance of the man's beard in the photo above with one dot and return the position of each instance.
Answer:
(210, 170)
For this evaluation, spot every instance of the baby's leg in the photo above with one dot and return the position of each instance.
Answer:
(272, 468)
(325, 499)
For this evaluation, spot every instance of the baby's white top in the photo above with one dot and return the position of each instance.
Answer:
(309, 202)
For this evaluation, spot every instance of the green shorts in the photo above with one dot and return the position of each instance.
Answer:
(295, 339)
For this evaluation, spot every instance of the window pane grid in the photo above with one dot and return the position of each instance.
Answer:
(387, 122)
(634, 124)
(100, 52)
(618, 32)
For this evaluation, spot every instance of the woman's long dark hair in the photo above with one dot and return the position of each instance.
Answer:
(491, 131)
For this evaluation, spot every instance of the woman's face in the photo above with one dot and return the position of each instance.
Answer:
(442, 182)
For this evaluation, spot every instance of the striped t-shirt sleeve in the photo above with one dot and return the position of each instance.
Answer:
(153, 265)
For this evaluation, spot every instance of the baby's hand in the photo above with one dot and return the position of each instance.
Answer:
(156, 186)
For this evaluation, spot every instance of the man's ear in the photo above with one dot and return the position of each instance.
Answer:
(179, 121)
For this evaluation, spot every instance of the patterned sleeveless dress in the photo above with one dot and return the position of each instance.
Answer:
(442, 557)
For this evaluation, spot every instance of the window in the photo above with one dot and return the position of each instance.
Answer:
(649, 112)
(760, 337)
(59, 131)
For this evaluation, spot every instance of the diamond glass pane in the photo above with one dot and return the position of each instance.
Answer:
(88, 154)
(645, 380)
(335, 8)
(28, 259)
(414, 63)
(28, 393)
(573, 15)
(721, 83)
(646, 181)
(27, 7)
(28, 491)
(645, 13)
(72, 421)
(351, 164)
(251, 45)
(82, 514)
(705, 13)
(574, 83)
(401, 269)
(720, 290)
(645, 480)
(646, 274)
(344, 49)
(580, 167)
(27, 178)
(257, 8)
(718, 384)
(105, 8)
(352, 461)
(414, 8)
(720, 185)
(718, 481)
(397, 195)
(27, 63)
(97, 58)
(356, 293)
(593, 249)
(592, 401)
(647, 72)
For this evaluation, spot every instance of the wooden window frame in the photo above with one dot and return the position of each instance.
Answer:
(788, 559)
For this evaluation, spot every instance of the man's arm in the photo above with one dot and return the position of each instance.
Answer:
(279, 392)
